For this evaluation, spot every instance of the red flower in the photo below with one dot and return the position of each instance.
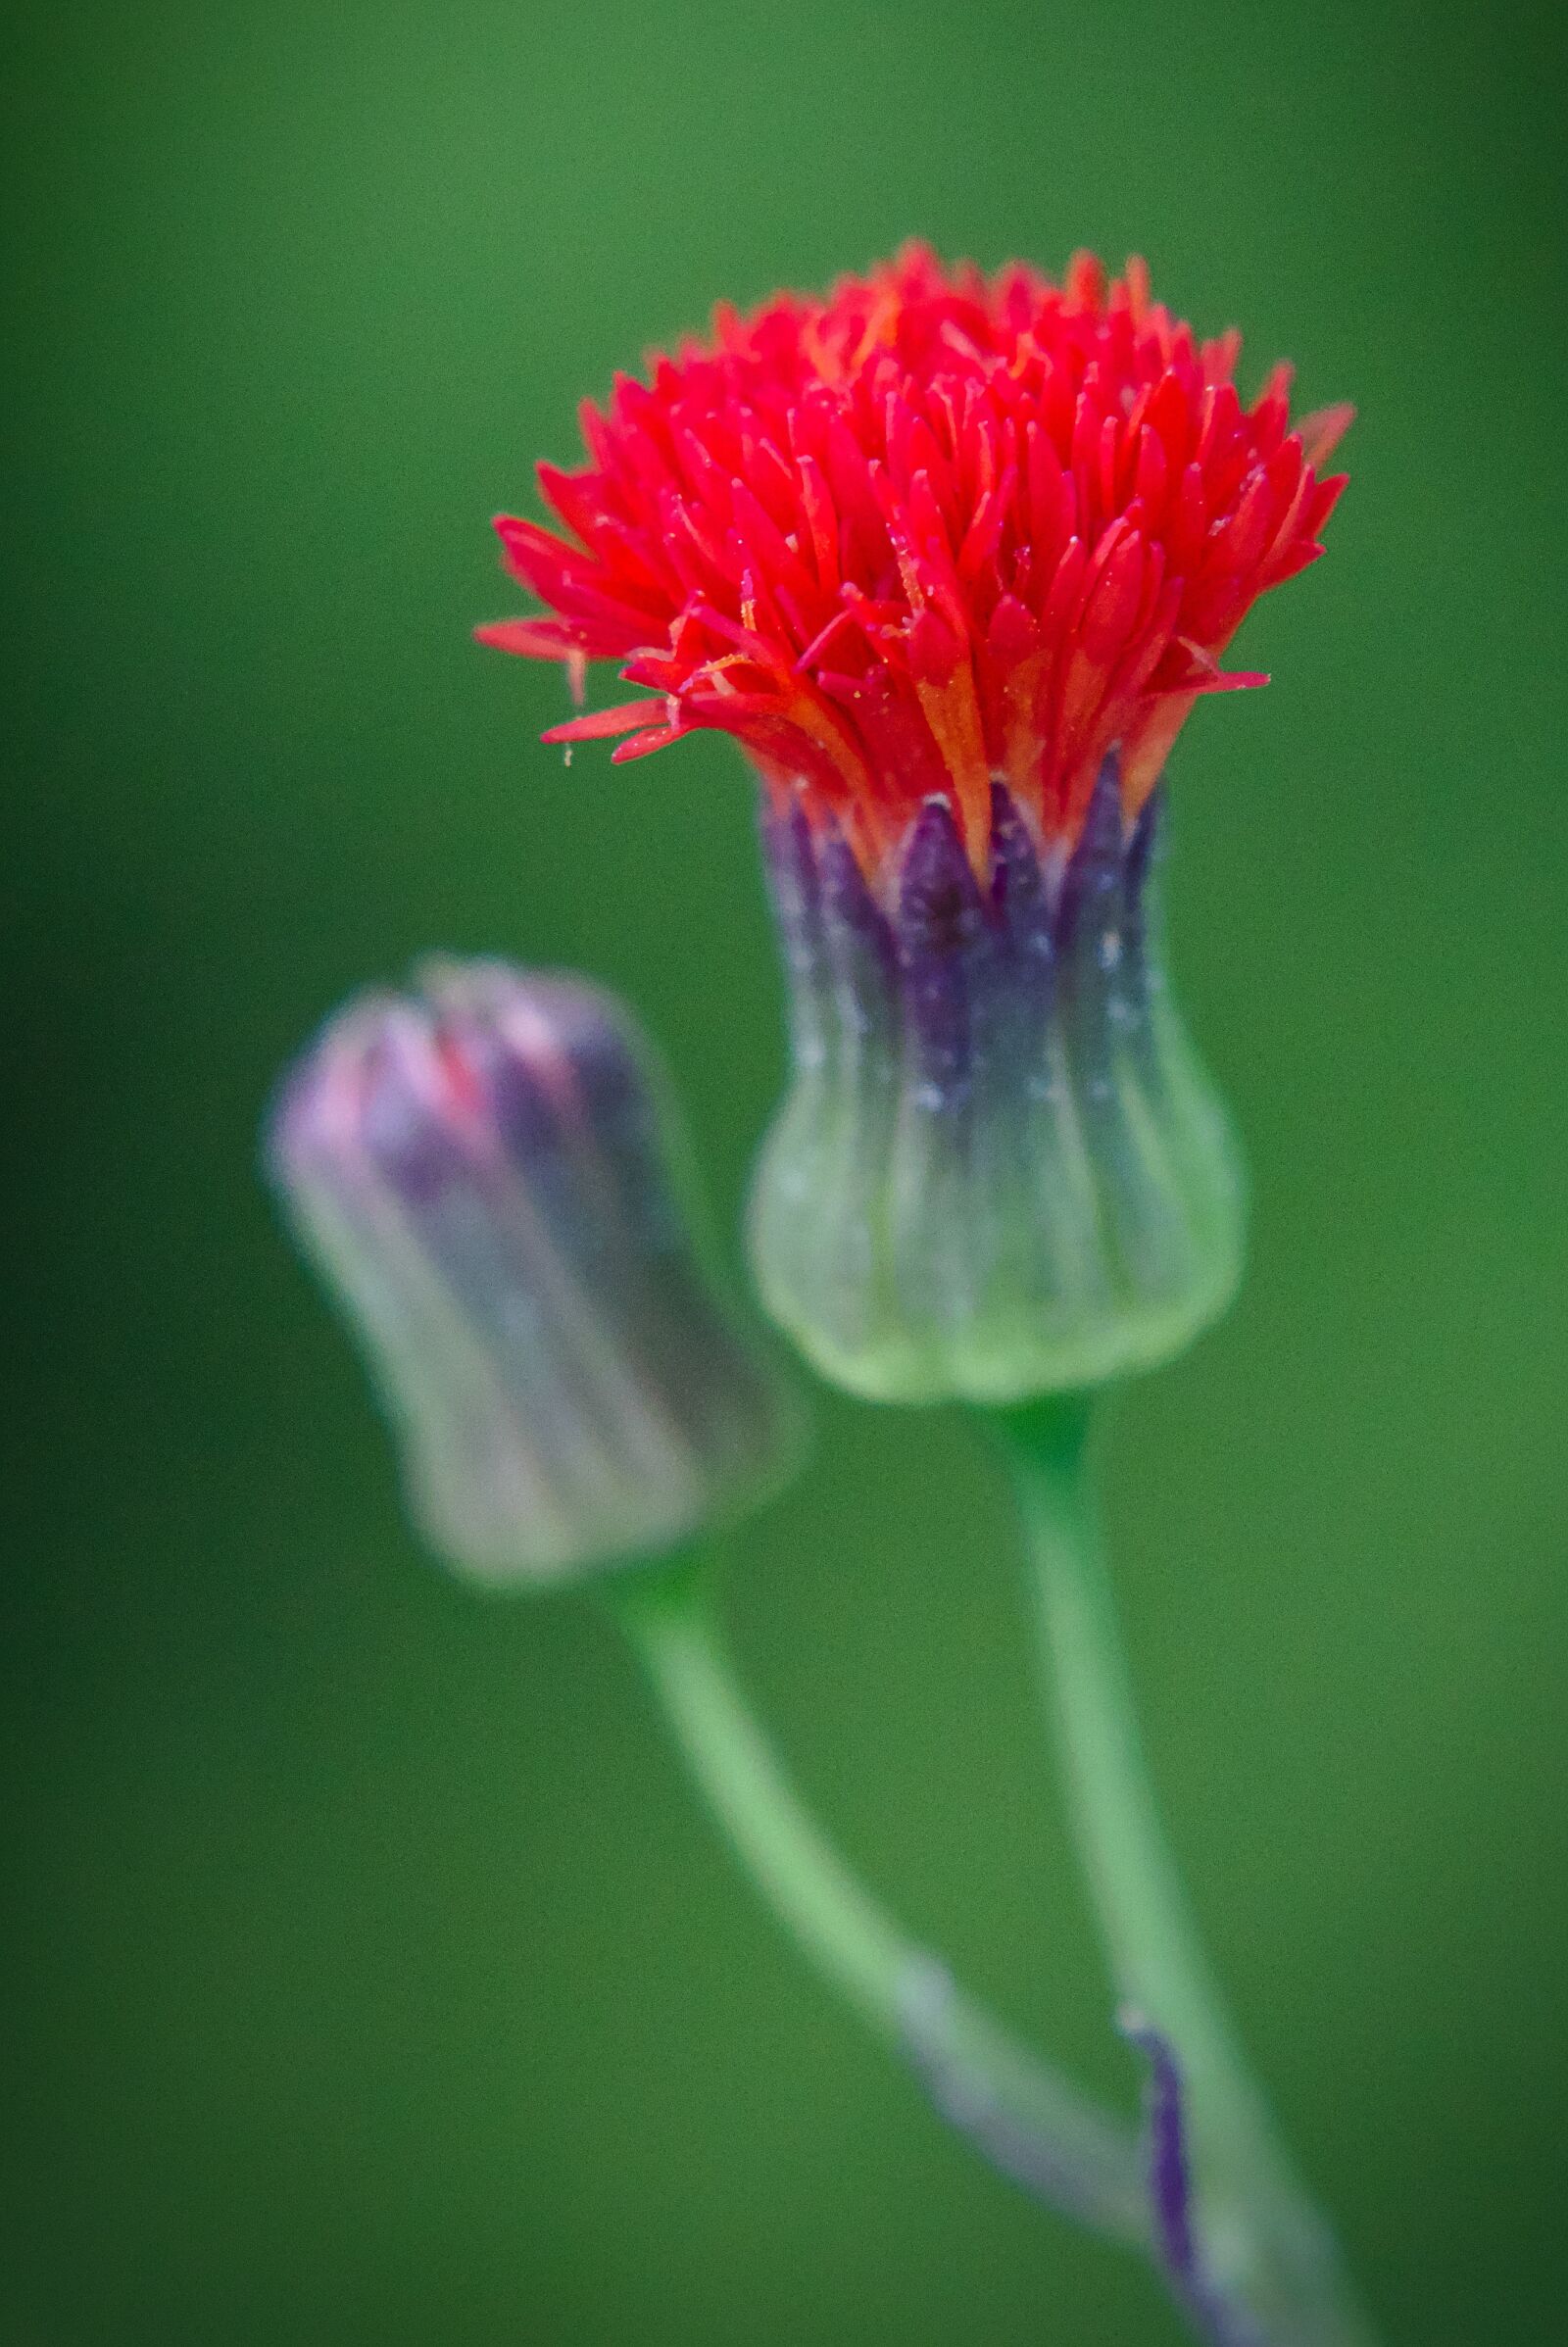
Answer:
(936, 528)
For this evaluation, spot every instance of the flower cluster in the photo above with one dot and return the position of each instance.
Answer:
(933, 532)
(951, 557)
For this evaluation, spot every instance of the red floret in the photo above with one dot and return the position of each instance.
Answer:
(935, 528)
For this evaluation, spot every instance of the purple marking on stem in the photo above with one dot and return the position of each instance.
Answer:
(1170, 2193)
(1169, 2181)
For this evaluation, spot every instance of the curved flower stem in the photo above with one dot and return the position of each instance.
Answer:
(1263, 2239)
(1026, 2119)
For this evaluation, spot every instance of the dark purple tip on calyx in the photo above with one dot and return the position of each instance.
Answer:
(939, 911)
(1020, 899)
(846, 897)
(858, 937)
(945, 946)
(1092, 883)
(1144, 846)
(790, 855)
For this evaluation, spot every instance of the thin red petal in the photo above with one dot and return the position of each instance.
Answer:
(599, 723)
(543, 639)
(1323, 430)
(643, 745)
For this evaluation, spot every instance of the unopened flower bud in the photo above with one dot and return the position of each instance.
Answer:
(486, 1173)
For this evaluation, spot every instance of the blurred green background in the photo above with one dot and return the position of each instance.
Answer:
(370, 1979)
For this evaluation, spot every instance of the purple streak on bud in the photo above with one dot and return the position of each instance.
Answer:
(1170, 2193)
(484, 1173)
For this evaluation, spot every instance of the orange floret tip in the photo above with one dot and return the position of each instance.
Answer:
(935, 530)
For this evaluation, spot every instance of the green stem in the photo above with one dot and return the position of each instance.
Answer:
(1029, 2121)
(1263, 2236)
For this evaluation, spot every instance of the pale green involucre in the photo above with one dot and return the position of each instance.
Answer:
(1001, 1170)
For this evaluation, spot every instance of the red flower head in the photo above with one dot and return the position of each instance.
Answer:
(935, 529)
